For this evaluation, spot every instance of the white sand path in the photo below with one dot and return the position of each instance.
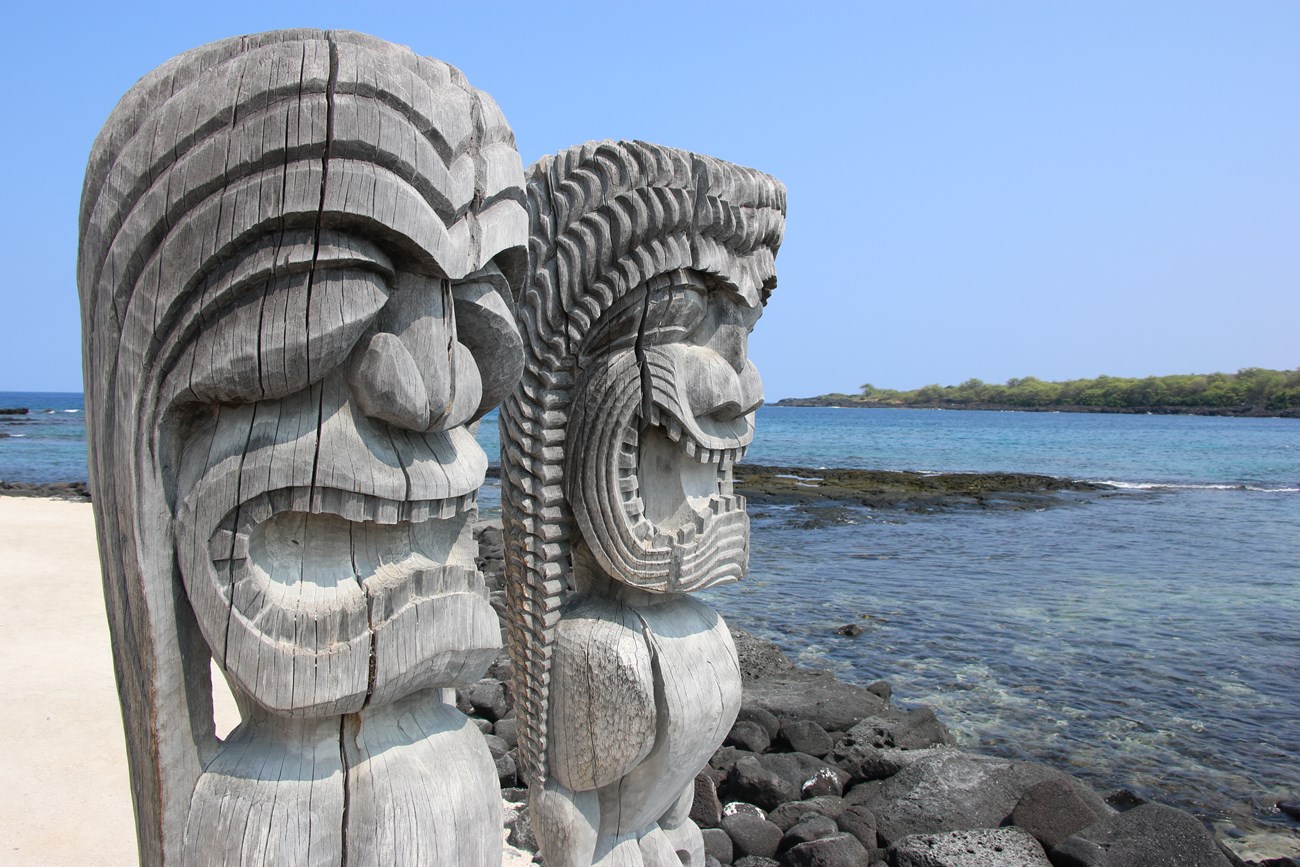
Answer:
(65, 798)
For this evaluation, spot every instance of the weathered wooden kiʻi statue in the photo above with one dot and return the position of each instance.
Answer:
(648, 266)
(297, 254)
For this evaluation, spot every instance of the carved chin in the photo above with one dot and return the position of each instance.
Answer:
(334, 601)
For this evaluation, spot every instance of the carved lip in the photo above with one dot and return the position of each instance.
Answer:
(725, 443)
(360, 536)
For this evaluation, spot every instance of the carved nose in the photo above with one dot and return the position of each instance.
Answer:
(412, 372)
(386, 384)
(389, 383)
(730, 337)
(715, 388)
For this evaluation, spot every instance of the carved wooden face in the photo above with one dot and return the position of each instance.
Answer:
(665, 409)
(326, 496)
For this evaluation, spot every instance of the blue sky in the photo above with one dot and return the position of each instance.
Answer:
(975, 189)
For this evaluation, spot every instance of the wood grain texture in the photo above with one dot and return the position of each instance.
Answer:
(648, 266)
(282, 238)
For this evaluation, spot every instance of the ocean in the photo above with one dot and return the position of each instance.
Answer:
(1146, 639)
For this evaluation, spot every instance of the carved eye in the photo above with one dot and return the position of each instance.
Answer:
(298, 312)
(486, 326)
(674, 311)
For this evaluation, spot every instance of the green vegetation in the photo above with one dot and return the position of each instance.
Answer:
(1253, 390)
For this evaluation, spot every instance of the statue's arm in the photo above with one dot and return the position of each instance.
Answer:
(602, 719)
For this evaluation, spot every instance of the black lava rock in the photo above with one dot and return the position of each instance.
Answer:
(496, 746)
(1052, 810)
(805, 736)
(954, 791)
(1123, 799)
(808, 774)
(882, 688)
(748, 735)
(735, 808)
(982, 847)
(757, 784)
(488, 699)
(811, 827)
(725, 758)
(718, 844)
(706, 808)
(751, 835)
(840, 850)
(507, 770)
(790, 814)
(1151, 835)
(905, 730)
(508, 730)
(762, 716)
(857, 820)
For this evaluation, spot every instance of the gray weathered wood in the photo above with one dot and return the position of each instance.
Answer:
(283, 238)
(648, 266)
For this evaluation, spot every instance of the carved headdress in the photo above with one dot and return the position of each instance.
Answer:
(246, 211)
(626, 239)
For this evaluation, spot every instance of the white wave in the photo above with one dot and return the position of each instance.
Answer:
(1178, 486)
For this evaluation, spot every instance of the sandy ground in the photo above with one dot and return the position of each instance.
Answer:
(65, 797)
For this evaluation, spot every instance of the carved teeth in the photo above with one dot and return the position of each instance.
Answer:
(351, 506)
(225, 545)
(674, 431)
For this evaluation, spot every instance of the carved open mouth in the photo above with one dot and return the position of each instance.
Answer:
(290, 549)
(677, 476)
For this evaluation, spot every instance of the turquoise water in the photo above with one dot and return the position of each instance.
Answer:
(48, 444)
(1147, 639)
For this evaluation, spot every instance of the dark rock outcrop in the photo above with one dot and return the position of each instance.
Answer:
(1151, 835)
(985, 847)
(1053, 810)
(789, 693)
(838, 850)
(805, 736)
(955, 791)
(751, 835)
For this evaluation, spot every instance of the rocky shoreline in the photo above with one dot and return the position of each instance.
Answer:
(77, 491)
(821, 773)
(913, 491)
(848, 402)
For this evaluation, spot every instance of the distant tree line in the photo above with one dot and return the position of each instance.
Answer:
(1254, 388)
